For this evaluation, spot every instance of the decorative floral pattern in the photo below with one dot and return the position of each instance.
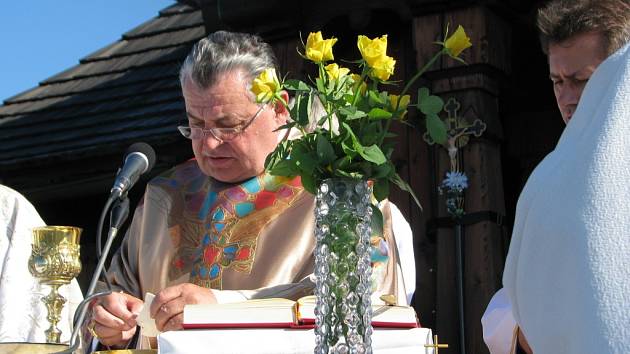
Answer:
(220, 223)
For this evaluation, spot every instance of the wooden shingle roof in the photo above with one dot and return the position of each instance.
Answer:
(125, 92)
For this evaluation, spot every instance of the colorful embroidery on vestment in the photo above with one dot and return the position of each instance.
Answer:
(227, 220)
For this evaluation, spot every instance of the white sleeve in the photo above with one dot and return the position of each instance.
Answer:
(499, 326)
(404, 243)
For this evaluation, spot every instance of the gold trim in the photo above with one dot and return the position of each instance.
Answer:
(90, 328)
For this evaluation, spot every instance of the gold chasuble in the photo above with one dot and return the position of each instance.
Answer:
(255, 238)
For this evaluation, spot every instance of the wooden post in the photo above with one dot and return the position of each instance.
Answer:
(475, 86)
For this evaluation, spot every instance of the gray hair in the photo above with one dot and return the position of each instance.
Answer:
(221, 52)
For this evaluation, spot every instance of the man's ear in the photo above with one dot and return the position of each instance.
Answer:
(280, 109)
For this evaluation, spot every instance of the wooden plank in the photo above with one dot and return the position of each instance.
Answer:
(477, 91)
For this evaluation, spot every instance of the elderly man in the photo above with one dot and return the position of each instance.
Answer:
(577, 36)
(219, 228)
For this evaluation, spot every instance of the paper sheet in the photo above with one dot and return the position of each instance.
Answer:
(144, 318)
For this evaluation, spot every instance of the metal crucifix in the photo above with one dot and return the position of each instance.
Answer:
(458, 135)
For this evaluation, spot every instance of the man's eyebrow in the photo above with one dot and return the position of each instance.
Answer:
(573, 76)
(219, 121)
(192, 116)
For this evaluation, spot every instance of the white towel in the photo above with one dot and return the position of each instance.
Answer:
(568, 268)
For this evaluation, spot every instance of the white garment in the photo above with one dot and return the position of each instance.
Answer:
(498, 324)
(568, 269)
(22, 314)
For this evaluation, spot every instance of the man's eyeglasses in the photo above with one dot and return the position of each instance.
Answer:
(220, 134)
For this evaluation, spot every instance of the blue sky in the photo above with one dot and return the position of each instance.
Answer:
(40, 38)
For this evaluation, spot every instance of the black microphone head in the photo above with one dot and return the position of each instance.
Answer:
(144, 149)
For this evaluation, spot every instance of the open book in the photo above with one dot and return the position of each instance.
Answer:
(283, 313)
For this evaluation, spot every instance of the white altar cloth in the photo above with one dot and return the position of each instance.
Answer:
(284, 341)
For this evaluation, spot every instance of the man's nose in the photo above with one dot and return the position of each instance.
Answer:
(210, 141)
(569, 95)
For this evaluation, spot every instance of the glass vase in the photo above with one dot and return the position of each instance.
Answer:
(343, 309)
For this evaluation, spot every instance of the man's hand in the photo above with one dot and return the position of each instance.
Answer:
(168, 306)
(114, 318)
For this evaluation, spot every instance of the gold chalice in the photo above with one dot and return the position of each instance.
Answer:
(55, 261)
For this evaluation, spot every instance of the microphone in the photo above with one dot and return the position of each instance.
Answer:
(139, 158)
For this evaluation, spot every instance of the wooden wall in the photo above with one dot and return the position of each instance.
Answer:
(488, 89)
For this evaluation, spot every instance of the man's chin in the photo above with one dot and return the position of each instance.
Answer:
(226, 175)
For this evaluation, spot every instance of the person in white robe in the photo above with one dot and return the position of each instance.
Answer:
(572, 34)
(568, 269)
(22, 313)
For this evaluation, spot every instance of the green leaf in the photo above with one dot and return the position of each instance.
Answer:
(377, 220)
(375, 99)
(381, 189)
(304, 159)
(356, 145)
(351, 112)
(296, 85)
(308, 182)
(325, 151)
(379, 113)
(374, 154)
(395, 178)
(436, 129)
(300, 111)
(320, 85)
(277, 155)
(342, 163)
(382, 171)
(285, 168)
(427, 103)
(423, 93)
(348, 149)
(289, 125)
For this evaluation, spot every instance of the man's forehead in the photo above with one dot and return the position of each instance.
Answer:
(584, 50)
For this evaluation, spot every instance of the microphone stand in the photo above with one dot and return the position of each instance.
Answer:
(119, 213)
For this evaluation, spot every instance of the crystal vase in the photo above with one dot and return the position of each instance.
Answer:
(342, 267)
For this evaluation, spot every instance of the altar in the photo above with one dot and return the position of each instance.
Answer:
(285, 341)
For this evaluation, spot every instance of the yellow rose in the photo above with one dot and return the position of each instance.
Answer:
(372, 50)
(456, 43)
(266, 85)
(319, 49)
(402, 106)
(383, 68)
(335, 72)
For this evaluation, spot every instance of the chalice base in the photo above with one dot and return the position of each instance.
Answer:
(54, 304)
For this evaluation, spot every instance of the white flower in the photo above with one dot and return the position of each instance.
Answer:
(455, 181)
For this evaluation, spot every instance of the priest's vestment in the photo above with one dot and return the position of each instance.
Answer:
(253, 239)
(568, 269)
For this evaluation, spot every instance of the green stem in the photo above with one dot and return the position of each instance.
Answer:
(419, 73)
(407, 87)
(364, 72)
